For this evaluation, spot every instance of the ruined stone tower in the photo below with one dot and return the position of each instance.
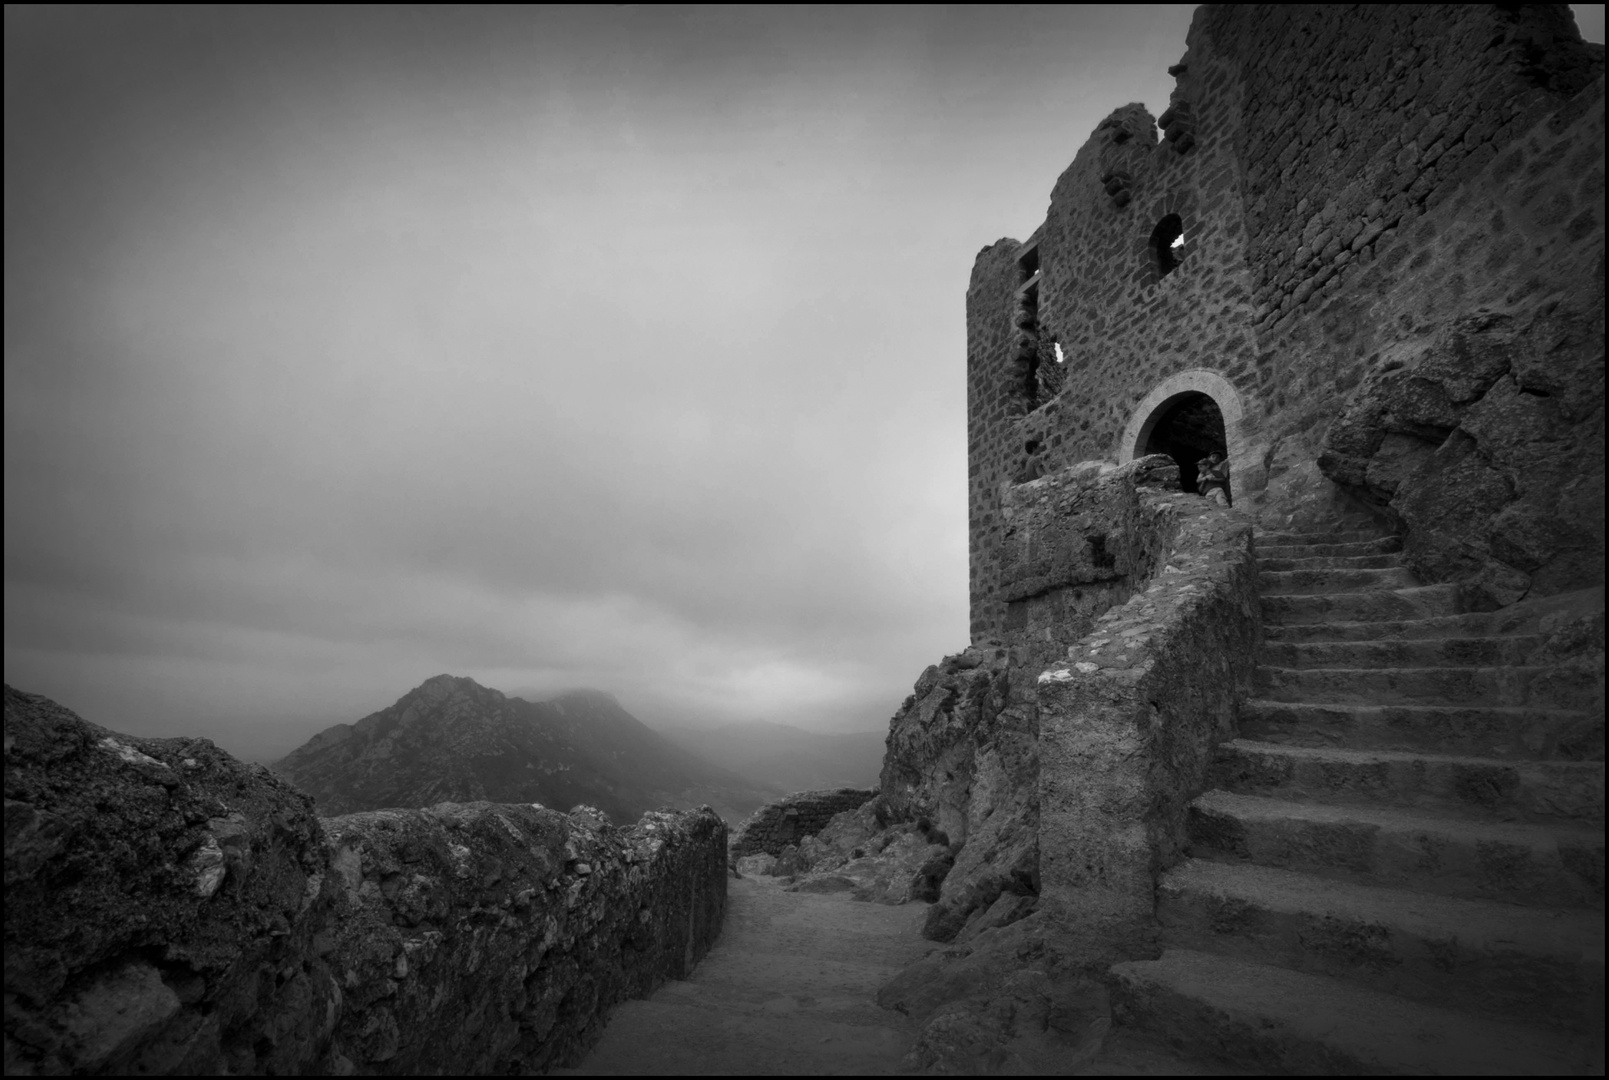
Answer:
(1332, 205)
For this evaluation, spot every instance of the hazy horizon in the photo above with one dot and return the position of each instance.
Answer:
(608, 347)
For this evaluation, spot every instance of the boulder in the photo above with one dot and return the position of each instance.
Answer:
(1484, 444)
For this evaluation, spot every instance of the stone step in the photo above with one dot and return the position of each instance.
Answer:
(1327, 562)
(1539, 966)
(1478, 788)
(1310, 582)
(1538, 865)
(1380, 546)
(1411, 652)
(1308, 539)
(1271, 1020)
(1471, 624)
(1374, 605)
(1488, 732)
(1403, 686)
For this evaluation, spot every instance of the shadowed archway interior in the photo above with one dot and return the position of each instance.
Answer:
(1187, 428)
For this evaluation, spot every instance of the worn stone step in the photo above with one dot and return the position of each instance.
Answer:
(1575, 688)
(1400, 686)
(1457, 729)
(1547, 865)
(1327, 546)
(1309, 582)
(1409, 652)
(1275, 1021)
(1309, 539)
(1470, 624)
(1537, 965)
(1267, 564)
(1476, 787)
(1372, 605)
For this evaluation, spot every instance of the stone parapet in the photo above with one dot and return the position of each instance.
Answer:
(1073, 544)
(171, 909)
(776, 825)
(1128, 722)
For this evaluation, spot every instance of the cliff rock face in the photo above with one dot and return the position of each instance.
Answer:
(157, 903)
(1486, 445)
(170, 909)
(451, 739)
(961, 753)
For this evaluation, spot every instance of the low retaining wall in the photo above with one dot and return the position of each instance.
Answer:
(1129, 721)
(170, 909)
(776, 825)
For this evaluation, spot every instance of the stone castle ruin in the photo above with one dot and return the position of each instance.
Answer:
(1360, 255)
(1336, 753)
(1312, 783)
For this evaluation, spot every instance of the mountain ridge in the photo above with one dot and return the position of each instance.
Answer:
(450, 739)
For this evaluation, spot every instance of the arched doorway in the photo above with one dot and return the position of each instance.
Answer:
(1187, 416)
(1187, 428)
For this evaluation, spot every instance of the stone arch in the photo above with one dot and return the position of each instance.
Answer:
(1243, 459)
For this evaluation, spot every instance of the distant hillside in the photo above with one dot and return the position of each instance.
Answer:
(788, 757)
(453, 740)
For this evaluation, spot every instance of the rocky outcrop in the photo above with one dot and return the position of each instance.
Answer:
(1013, 1000)
(1485, 445)
(860, 853)
(777, 825)
(170, 909)
(453, 740)
(962, 754)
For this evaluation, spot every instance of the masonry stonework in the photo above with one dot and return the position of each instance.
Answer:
(1345, 188)
(776, 825)
(171, 909)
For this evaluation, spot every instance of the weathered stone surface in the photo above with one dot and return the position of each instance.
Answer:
(858, 852)
(1013, 1000)
(1074, 543)
(170, 909)
(155, 890)
(1128, 722)
(962, 754)
(1485, 446)
(788, 821)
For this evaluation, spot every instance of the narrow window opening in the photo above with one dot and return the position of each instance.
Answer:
(1167, 245)
(1033, 466)
(1026, 362)
(1028, 264)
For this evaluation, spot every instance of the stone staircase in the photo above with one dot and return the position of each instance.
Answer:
(1398, 869)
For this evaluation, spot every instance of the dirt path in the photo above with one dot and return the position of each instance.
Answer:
(788, 989)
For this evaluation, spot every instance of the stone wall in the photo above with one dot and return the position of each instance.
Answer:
(1349, 189)
(1128, 723)
(1072, 544)
(787, 821)
(967, 749)
(170, 909)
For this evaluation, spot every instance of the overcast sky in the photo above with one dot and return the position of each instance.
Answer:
(615, 347)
